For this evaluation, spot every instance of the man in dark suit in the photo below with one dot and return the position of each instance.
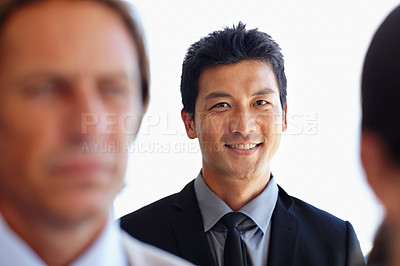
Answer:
(380, 142)
(234, 96)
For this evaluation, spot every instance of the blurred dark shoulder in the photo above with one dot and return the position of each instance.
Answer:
(378, 255)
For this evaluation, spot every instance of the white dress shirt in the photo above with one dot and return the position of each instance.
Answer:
(107, 249)
(112, 248)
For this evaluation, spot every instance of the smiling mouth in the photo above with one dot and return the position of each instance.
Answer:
(242, 146)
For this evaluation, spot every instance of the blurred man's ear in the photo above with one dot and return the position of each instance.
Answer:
(373, 160)
(189, 124)
(381, 172)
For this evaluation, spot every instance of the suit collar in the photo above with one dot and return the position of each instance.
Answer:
(193, 243)
(284, 233)
(188, 228)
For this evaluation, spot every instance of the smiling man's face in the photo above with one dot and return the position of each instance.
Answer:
(238, 119)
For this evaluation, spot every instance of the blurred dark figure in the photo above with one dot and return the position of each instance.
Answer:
(380, 142)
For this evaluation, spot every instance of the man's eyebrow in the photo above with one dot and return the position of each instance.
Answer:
(35, 75)
(223, 94)
(114, 75)
(217, 95)
(264, 91)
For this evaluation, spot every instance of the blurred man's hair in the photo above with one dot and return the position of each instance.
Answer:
(8, 7)
(381, 85)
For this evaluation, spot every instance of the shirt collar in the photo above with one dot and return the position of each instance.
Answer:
(14, 251)
(260, 209)
(212, 208)
(107, 249)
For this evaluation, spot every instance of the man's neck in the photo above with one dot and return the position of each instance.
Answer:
(236, 192)
(56, 245)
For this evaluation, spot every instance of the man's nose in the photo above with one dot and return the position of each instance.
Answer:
(88, 116)
(243, 121)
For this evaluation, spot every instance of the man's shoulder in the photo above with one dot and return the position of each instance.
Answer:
(140, 253)
(313, 219)
(164, 222)
(324, 237)
(153, 221)
(158, 205)
(309, 210)
(149, 214)
(162, 207)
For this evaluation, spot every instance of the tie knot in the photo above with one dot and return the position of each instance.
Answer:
(233, 219)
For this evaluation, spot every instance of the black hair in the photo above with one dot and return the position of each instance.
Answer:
(380, 88)
(229, 46)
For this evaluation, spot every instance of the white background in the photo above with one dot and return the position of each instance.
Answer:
(324, 44)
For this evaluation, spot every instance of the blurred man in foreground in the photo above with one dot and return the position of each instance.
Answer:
(69, 71)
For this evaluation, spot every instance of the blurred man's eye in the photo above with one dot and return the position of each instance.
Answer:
(113, 88)
(46, 88)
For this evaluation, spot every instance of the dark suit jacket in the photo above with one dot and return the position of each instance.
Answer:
(300, 233)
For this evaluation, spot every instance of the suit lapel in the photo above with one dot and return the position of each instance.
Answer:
(189, 230)
(193, 244)
(284, 233)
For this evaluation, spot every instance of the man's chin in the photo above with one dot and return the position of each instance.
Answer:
(80, 209)
(245, 172)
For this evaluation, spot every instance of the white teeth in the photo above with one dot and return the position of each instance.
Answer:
(243, 146)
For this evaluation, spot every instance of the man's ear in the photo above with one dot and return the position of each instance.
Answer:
(284, 119)
(376, 164)
(189, 124)
(382, 173)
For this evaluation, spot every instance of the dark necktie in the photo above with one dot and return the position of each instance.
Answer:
(234, 250)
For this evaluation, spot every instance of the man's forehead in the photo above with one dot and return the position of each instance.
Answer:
(56, 15)
(260, 73)
(62, 18)
(87, 36)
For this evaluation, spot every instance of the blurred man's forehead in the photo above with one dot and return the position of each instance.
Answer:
(49, 9)
(121, 11)
(47, 12)
(47, 33)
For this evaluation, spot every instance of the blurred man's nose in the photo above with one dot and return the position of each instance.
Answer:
(88, 115)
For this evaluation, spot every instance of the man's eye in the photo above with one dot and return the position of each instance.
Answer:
(220, 105)
(112, 89)
(260, 102)
(46, 88)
